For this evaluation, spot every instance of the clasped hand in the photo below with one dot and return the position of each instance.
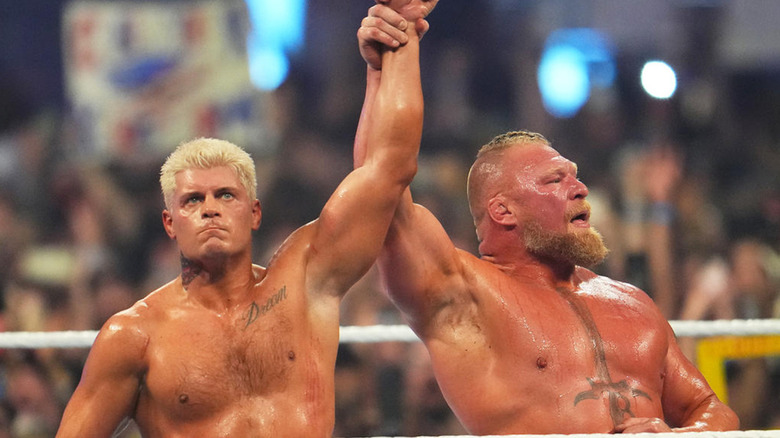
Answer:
(386, 25)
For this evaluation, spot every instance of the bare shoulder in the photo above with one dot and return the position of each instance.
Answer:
(128, 331)
(607, 290)
(603, 285)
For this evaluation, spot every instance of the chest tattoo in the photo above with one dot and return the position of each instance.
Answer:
(256, 310)
(618, 392)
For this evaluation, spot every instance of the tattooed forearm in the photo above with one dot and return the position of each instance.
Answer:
(255, 311)
(189, 270)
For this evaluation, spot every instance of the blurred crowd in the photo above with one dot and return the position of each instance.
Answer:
(686, 193)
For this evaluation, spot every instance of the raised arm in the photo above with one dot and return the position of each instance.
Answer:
(419, 264)
(352, 226)
(109, 383)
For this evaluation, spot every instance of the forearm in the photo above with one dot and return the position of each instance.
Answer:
(373, 78)
(712, 415)
(394, 124)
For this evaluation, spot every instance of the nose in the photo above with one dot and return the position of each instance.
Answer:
(210, 208)
(579, 190)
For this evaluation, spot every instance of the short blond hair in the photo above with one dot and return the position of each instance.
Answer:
(511, 138)
(206, 153)
(487, 171)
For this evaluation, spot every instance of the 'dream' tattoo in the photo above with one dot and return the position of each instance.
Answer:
(255, 311)
(618, 392)
(189, 270)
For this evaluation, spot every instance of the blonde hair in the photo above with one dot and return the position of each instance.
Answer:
(487, 170)
(206, 153)
(511, 138)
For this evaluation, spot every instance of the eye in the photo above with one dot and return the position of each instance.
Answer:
(554, 180)
(192, 200)
(227, 195)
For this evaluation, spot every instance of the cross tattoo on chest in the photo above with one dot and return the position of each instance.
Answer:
(618, 392)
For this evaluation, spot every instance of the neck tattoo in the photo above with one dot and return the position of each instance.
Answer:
(189, 270)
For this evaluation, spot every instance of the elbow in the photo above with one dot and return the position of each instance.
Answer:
(724, 418)
(410, 115)
(717, 416)
(732, 421)
(407, 173)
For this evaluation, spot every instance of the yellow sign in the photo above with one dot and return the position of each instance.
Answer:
(711, 354)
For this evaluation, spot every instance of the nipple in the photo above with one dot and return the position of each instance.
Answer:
(291, 355)
(184, 398)
(541, 363)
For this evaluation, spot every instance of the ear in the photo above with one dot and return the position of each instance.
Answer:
(257, 214)
(500, 211)
(167, 221)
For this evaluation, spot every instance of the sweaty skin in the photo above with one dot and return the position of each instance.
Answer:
(523, 344)
(232, 349)
(525, 341)
(551, 347)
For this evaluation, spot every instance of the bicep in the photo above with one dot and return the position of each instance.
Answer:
(109, 385)
(348, 235)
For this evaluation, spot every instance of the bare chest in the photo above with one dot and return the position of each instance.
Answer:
(202, 364)
(591, 335)
(596, 360)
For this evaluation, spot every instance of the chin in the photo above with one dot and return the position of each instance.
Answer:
(583, 247)
(214, 252)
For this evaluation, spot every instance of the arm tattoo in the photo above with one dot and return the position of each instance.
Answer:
(189, 270)
(255, 311)
(618, 392)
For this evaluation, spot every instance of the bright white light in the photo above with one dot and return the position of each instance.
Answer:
(658, 79)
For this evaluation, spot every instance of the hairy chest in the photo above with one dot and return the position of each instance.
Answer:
(202, 364)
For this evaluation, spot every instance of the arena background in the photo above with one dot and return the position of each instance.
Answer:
(94, 94)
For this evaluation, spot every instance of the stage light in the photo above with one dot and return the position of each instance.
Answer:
(658, 79)
(277, 32)
(573, 61)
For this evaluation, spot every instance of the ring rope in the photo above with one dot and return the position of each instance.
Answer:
(726, 434)
(396, 333)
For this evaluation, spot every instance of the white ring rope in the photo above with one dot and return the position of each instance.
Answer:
(728, 434)
(398, 333)
(402, 333)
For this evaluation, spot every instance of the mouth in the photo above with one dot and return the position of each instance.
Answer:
(581, 218)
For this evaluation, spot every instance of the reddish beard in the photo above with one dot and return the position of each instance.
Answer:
(584, 249)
